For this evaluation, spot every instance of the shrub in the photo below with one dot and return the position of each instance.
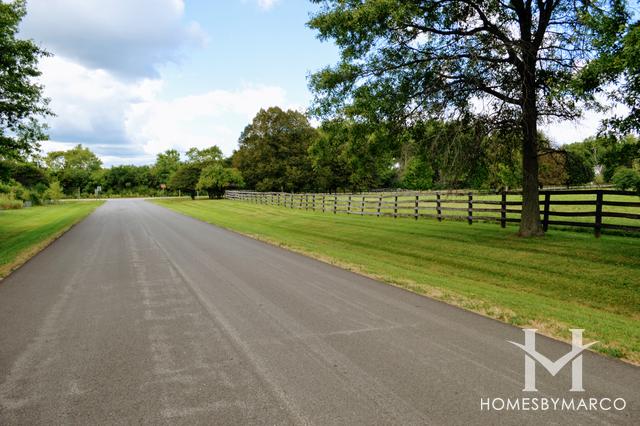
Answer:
(625, 178)
(54, 192)
(9, 202)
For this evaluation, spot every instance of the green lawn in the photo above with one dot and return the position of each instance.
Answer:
(564, 280)
(25, 232)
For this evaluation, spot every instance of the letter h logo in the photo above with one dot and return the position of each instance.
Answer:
(531, 356)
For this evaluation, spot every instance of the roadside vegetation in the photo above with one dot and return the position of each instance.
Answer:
(25, 232)
(564, 280)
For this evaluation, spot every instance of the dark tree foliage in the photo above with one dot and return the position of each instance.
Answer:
(21, 100)
(28, 174)
(510, 63)
(272, 153)
(185, 179)
(578, 168)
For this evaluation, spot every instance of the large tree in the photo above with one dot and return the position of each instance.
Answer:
(273, 151)
(166, 165)
(216, 179)
(22, 103)
(508, 63)
(185, 179)
(74, 168)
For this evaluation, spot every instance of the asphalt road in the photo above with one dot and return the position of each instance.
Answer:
(142, 315)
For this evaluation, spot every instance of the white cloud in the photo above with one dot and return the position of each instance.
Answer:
(91, 105)
(267, 4)
(213, 118)
(130, 122)
(129, 38)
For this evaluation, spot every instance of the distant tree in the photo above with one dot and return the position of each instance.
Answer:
(272, 153)
(417, 174)
(553, 170)
(404, 60)
(618, 152)
(74, 168)
(216, 178)
(185, 179)
(205, 156)
(329, 156)
(22, 103)
(626, 178)
(357, 156)
(78, 157)
(579, 169)
(166, 164)
(28, 174)
(54, 192)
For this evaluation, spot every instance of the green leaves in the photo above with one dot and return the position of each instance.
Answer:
(216, 178)
(21, 99)
(273, 151)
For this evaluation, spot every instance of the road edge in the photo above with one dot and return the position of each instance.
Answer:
(24, 257)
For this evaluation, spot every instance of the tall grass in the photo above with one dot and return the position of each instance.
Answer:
(7, 202)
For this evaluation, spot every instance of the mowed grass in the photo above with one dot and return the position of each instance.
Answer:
(563, 280)
(25, 232)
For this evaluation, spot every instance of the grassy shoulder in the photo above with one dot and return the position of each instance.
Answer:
(564, 280)
(25, 232)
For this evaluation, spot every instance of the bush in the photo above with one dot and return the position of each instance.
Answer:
(625, 178)
(8, 202)
(54, 192)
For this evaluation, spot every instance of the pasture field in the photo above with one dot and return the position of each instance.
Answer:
(26, 231)
(560, 281)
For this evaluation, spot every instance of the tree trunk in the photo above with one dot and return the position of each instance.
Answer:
(530, 224)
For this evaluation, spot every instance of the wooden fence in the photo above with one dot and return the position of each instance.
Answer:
(605, 209)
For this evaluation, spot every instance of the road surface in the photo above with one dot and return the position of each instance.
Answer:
(142, 315)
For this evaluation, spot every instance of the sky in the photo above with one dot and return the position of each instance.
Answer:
(132, 78)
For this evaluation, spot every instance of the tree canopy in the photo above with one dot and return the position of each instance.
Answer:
(509, 65)
(216, 178)
(272, 153)
(22, 104)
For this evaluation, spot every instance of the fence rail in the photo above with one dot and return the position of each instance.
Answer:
(596, 208)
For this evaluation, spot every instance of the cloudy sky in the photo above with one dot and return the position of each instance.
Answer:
(131, 78)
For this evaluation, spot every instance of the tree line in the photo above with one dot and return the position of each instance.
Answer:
(281, 151)
(425, 94)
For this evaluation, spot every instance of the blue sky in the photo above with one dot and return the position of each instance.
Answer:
(132, 78)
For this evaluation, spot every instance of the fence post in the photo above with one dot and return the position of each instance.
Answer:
(379, 204)
(598, 226)
(362, 207)
(349, 206)
(292, 195)
(503, 210)
(313, 205)
(416, 211)
(438, 207)
(547, 206)
(301, 198)
(335, 203)
(323, 203)
(395, 206)
(470, 216)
